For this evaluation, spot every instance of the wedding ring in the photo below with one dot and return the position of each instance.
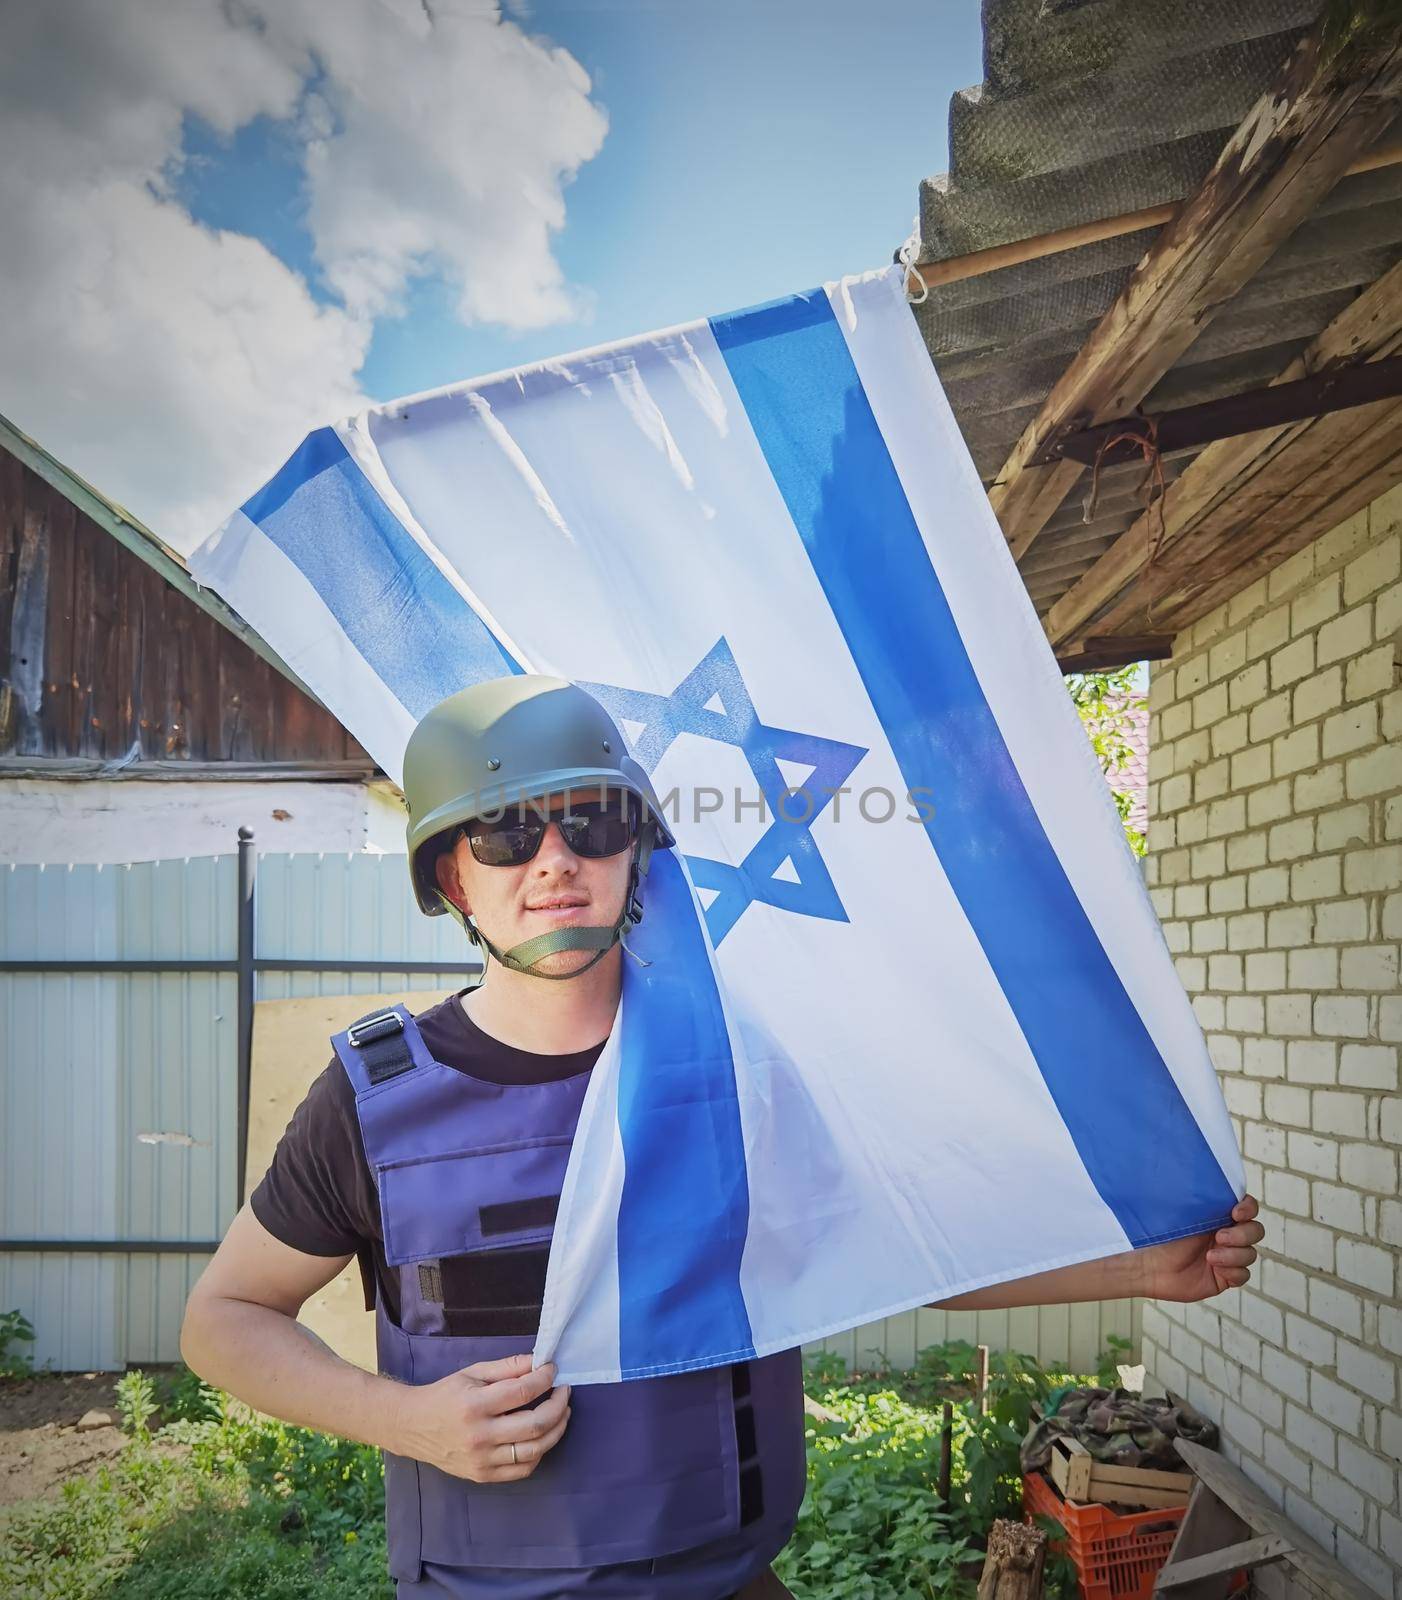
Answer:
(514, 1461)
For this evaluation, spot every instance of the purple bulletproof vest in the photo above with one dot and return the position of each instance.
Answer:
(645, 1469)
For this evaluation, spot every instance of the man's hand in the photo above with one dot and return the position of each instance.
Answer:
(1207, 1263)
(1183, 1269)
(472, 1424)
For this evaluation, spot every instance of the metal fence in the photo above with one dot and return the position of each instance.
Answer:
(126, 1006)
(126, 1015)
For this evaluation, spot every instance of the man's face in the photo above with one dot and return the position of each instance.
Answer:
(554, 889)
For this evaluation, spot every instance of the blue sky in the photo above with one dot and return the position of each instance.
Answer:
(753, 149)
(261, 218)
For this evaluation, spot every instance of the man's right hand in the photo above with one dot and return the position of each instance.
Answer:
(467, 1423)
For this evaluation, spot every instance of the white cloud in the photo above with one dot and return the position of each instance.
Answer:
(175, 366)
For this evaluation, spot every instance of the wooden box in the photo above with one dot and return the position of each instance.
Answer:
(1080, 1477)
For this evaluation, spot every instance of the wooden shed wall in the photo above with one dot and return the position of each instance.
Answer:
(98, 652)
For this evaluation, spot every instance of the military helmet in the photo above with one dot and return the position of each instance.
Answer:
(499, 743)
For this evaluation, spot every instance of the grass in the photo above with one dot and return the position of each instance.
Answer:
(219, 1503)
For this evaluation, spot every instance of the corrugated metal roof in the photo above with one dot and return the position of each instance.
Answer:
(1091, 108)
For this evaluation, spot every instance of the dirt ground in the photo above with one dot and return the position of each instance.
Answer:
(40, 1445)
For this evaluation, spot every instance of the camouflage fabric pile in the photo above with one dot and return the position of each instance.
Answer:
(1118, 1428)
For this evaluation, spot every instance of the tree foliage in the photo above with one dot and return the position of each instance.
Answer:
(1107, 704)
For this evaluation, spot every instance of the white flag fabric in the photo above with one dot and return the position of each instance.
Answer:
(910, 1026)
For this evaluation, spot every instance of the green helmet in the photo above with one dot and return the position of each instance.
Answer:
(500, 743)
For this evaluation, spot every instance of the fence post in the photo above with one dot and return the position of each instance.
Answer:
(248, 871)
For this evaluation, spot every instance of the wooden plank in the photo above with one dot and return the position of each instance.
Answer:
(1207, 1526)
(1275, 405)
(1084, 540)
(1280, 487)
(1290, 150)
(1290, 497)
(206, 708)
(1370, 328)
(85, 657)
(1114, 650)
(1240, 1496)
(1142, 1477)
(11, 515)
(154, 635)
(1148, 1499)
(101, 699)
(1387, 475)
(122, 648)
(28, 647)
(1251, 1553)
(1080, 1477)
(1070, 1470)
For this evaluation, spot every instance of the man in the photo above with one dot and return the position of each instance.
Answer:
(434, 1148)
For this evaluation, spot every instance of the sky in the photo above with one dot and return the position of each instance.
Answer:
(231, 221)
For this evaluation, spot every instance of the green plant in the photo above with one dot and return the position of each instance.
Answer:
(185, 1397)
(1107, 703)
(229, 1506)
(823, 1369)
(15, 1328)
(871, 1524)
(74, 1546)
(1060, 1580)
(1112, 1358)
(947, 1371)
(992, 1483)
(136, 1403)
(986, 1439)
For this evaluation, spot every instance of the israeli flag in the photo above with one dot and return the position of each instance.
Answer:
(910, 1026)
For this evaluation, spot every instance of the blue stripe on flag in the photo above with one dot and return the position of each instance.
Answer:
(414, 629)
(686, 1205)
(811, 416)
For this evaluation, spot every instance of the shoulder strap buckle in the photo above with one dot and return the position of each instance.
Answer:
(382, 1025)
(381, 1042)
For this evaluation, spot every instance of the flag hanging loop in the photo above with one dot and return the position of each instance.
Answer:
(906, 256)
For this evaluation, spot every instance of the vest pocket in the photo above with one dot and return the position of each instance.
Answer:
(501, 1197)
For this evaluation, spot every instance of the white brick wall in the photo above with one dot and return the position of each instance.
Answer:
(1275, 832)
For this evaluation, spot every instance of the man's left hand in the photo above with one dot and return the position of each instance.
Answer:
(1207, 1263)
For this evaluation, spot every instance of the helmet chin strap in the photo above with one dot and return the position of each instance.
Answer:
(527, 956)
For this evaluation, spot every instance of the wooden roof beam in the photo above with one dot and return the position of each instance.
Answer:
(1298, 140)
(1368, 329)
(1116, 652)
(1299, 488)
(1348, 475)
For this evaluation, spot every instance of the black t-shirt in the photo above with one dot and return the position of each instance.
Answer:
(319, 1194)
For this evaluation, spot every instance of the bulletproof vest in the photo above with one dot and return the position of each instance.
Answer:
(469, 1176)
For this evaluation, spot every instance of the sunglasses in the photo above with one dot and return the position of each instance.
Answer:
(593, 829)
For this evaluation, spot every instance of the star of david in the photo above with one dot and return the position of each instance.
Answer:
(712, 702)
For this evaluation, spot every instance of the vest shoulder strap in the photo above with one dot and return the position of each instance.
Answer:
(378, 1047)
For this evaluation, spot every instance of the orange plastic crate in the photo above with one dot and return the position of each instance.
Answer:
(1117, 1554)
